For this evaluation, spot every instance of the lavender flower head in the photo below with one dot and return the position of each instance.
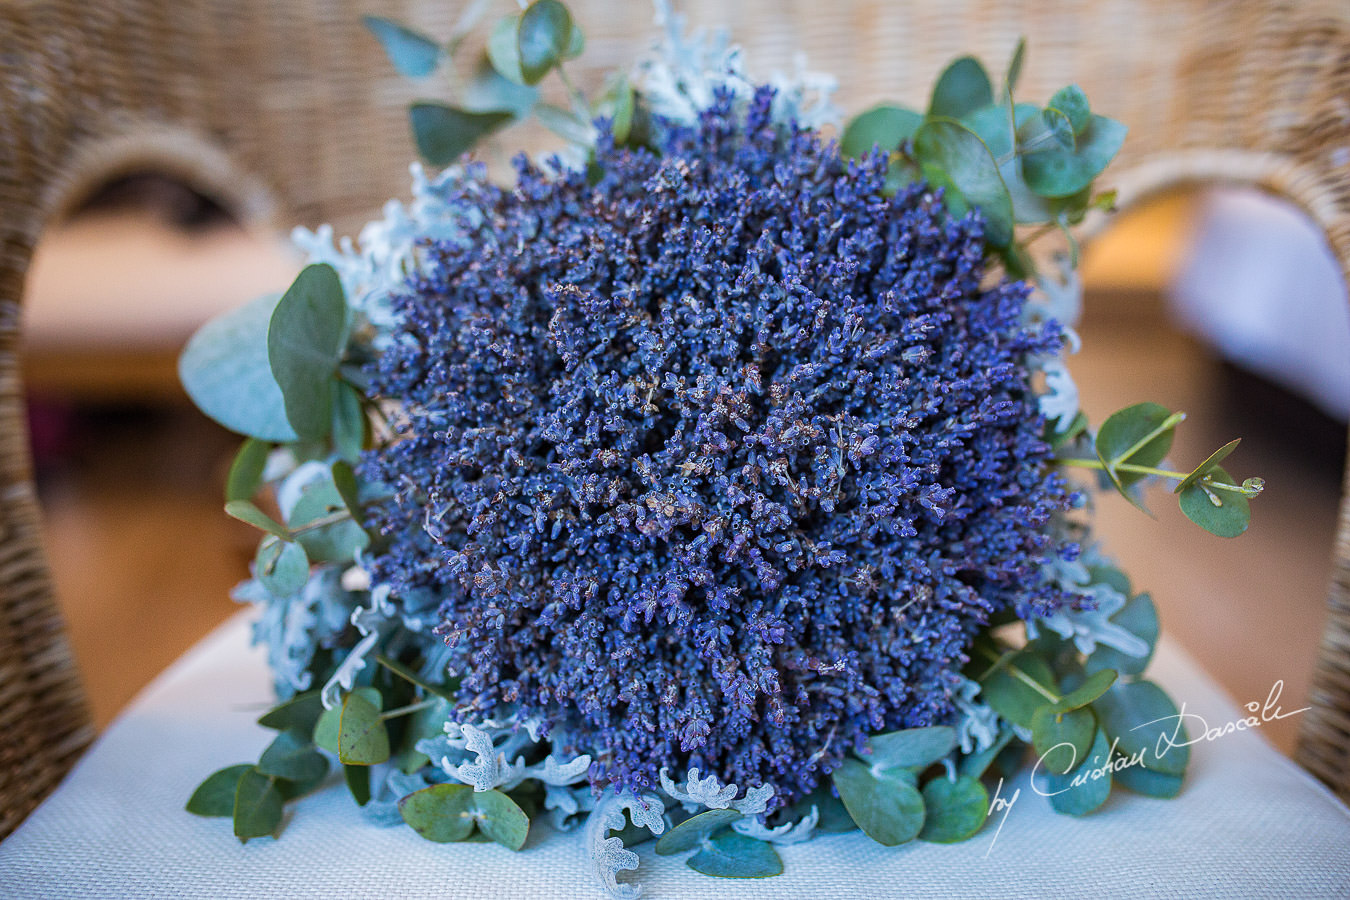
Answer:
(716, 456)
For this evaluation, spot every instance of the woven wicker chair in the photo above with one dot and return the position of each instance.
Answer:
(288, 113)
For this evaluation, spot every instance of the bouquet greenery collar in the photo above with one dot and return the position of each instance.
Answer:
(706, 482)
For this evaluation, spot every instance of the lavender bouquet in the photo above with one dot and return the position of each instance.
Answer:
(705, 483)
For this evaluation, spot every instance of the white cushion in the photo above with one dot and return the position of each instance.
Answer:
(1248, 823)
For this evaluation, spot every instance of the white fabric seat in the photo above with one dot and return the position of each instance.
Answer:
(1248, 823)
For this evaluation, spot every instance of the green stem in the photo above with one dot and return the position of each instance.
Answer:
(1149, 470)
(1001, 661)
(580, 105)
(1167, 424)
(409, 709)
(323, 522)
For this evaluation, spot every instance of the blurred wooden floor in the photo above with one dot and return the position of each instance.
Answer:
(144, 557)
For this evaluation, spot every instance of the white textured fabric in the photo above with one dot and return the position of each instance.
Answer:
(1248, 823)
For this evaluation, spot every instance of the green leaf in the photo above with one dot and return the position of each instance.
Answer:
(881, 126)
(215, 795)
(954, 810)
(412, 53)
(503, 50)
(427, 722)
(291, 790)
(1096, 684)
(623, 103)
(444, 691)
(329, 723)
(1087, 786)
(1209, 465)
(889, 810)
(257, 806)
(565, 124)
(501, 818)
(911, 747)
(693, 831)
(1014, 72)
(301, 711)
(576, 43)
(1072, 103)
(335, 542)
(358, 783)
(731, 854)
(292, 756)
(445, 133)
(1056, 172)
(952, 155)
(440, 813)
(349, 421)
(1145, 781)
(962, 88)
(1058, 126)
(1140, 435)
(1145, 723)
(245, 511)
(542, 38)
(246, 470)
(1062, 739)
(488, 91)
(282, 566)
(1221, 513)
(362, 738)
(1019, 687)
(832, 817)
(976, 764)
(225, 371)
(1139, 617)
(304, 345)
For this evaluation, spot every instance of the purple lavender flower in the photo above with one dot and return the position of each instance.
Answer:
(718, 456)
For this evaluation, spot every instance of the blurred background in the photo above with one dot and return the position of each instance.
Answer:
(1223, 304)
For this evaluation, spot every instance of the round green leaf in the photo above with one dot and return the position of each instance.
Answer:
(1056, 172)
(292, 756)
(731, 854)
(1209, 465)
(1093, 687)
(215, 795)
(1072, 103)
(246, 470)
(290, 790)
(1058, 126)
(336, 542)
(440, 813)
(881, 126)
(1087, 786)
(304, 345)
(224, 369)
(504, 52)
(282, 566)
(910, 747)
(500, 818)
(1145, 781)
(693, 831)
(542, 38)
(1019, 687)
(358, 783)
(412, 53)
(976, 764)
(1222, 513)
(1145, 724)
(1140, 435)
(832, 817)
(362, 738)
(328, 725)
(952, 155)
(257, 806)
(1062, 739)
(444, 133)
(888, 810)
(349, 421)
(1140, 618)
(954, 810)
(301, 711)
(246, 512)
(962, 88)
(488, 91)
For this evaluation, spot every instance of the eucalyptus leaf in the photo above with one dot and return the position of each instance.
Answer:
(953, 155)
(888, 810)
(490, 91)
(503, 50)
(1058, 126)
(1056, 172)
(246, 470)
(412, 53)
(282, 566)
(832, 817)
(443, 691)
(1221, 513)
(566, 125)
(962, 88)
(291, 790)
(501, 818)
(337, 541)
(442, 813)
(224, 369)
(911, 747)
(215, 795)
(954, 810)
(881, 126)
(1139, 617)
(357, 779)
(1140, 435)
(1019, 687)
(1143, 780)
(1145, 723)
(1209, 465)
(976, 764)
(623, 107)
(1093, 687)
(693, 831)
(731, 854)
(362, 738)
(1087, 786)
(349, 421)
(304, 345)
(1062, 739)
(329, 724)
(543, 36)
(257, 806)
(445, 133)
(301, 711)
(292, 756)
(1072, 103)
(1014, 72)
(245, 511)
